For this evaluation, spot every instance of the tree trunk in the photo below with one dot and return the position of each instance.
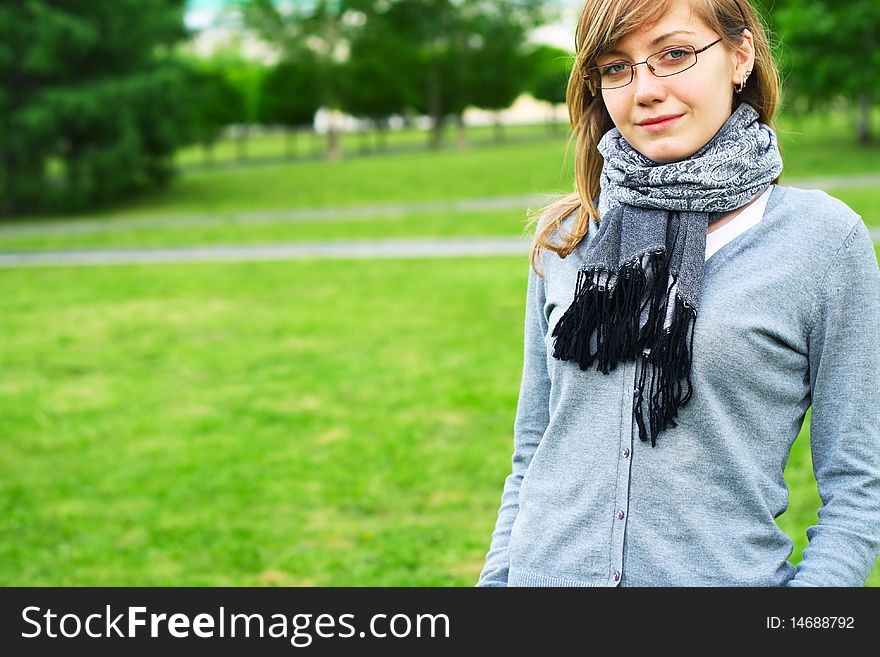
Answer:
(364, 140)
(554, 123)
(290, 142)
(864, 118)
(435, 107)
(333, 150)
(462, 131)
(382, 135)
(242, 143)
(317, 149)
(436, 133)
(499, 127)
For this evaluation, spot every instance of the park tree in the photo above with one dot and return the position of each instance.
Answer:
(374, 86)
(377, 57)
(431, 58)
(550, 69)
(831, 51)
(91, 100)
(289, 96)
(499, 67)
(464, 52)
(313, 30)
(243, 76)
(213, 103)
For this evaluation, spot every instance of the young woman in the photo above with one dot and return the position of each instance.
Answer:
(687, 312)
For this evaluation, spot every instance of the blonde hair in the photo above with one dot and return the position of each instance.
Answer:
(602, 24)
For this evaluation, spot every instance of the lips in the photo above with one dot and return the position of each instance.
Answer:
(659, 119)
(659, 122)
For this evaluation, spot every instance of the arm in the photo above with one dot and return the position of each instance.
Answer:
(844, 357)
(532, 416)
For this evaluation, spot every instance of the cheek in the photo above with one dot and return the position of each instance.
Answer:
(712, 95)
(694, 95)
(619, 111)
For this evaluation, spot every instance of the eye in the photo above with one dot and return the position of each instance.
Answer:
(615, 68)
(674, 54)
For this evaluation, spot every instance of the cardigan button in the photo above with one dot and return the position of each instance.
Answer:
(616, 576)
(620, 515)
(625, 452)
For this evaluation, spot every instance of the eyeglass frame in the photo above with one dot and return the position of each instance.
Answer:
(632, 67)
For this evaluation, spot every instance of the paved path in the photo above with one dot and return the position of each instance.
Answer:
(358, 212)
(389, 248)
(366, 212)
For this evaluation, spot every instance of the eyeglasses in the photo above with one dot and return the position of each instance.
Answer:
(671, 61)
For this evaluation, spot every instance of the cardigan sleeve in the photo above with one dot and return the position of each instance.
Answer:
(532, 417)
(844, 364)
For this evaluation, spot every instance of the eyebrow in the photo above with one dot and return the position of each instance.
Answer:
(653, 43)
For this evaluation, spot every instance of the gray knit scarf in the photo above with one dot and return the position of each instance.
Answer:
(639, 285)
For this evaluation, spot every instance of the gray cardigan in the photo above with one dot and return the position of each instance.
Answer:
(789, 316)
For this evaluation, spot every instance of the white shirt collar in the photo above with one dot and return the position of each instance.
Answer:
(739, 224)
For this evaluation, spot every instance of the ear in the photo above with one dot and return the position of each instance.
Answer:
(744, 57)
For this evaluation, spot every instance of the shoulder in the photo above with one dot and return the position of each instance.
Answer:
(564, 218)
(818, 212)
(818, 223)
(565, 221)
(560, 222)
(823, 230)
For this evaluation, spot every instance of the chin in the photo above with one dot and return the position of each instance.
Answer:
(664, 155)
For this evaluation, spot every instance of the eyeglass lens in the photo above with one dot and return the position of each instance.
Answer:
(662, 64)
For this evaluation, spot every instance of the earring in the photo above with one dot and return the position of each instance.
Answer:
(742, 84)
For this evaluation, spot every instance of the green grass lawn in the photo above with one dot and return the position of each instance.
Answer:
(254, 424)
(266, 423)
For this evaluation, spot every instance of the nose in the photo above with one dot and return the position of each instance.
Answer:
(647, 86)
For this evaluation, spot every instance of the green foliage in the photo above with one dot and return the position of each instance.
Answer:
(313, 31)
(213, 102)
(87, 85)
(550, 68)
(224, 88)
(377, 80)
(832, 51)
(831, 47)
(289, 93)
(498, 67)
(434, 57)
(247, 77)
(465, 53)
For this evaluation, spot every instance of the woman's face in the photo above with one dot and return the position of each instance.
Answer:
(701, 97)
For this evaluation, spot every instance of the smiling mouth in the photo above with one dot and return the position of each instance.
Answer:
(660, 125)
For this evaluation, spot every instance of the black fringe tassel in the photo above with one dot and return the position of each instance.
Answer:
(615, 316)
